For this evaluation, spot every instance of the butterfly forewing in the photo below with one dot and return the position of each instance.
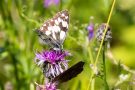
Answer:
(53, 31)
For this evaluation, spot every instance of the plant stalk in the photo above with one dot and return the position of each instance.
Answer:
(104, 69)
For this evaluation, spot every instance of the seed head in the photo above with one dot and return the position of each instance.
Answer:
(100, 33)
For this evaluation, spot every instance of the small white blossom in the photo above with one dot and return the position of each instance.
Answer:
(94, 68)
(123, 77)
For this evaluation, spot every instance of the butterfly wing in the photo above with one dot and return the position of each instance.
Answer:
(53, 31)
(70, 73)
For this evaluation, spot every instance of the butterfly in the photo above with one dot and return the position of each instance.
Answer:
(53, 31)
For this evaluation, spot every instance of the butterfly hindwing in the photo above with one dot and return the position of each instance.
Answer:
(53, 31)
(70, 73)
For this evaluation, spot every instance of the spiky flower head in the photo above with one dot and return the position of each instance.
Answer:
(50, 86)
(47, 86)
(52, 62)
(100, 33)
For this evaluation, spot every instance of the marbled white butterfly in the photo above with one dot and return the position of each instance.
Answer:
(53, 31)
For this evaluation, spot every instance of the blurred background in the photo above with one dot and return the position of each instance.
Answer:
(18, 40)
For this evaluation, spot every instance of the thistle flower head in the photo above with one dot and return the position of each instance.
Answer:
(52, 56)
(48, 3)
(47, 86)
(50, 86)
(100, 33)
(52, 62)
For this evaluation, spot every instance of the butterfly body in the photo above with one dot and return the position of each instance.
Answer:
(53, 31)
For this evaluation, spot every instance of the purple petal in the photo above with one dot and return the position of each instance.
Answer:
(40, 56)
(90, 27)
(56, 2)
(48, 3)
(91, 35)
(52, 56)
(50, 86)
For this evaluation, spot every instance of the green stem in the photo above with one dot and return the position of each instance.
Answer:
(93, 84)
(71, 3)
(104, 69)
(60, 8)
(15, 70)
(90, 55)
(92, 61)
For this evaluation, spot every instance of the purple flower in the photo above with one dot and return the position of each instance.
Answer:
(52, 56)
(48, 3)
(47, 86)
(50, 86)
(90, 29)
(52, 62)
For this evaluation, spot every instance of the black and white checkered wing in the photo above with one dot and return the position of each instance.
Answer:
(53, 31)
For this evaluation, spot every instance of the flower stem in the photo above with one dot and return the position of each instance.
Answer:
(92, 80)
(60, 8)
(104, 69)
(93, 84)
(15, 70)
(108, 20)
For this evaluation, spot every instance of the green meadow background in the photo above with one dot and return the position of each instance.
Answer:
(19, 42)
